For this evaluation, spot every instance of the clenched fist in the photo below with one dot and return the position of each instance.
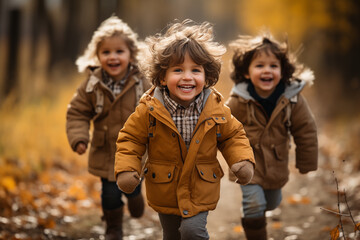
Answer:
(244, 171)
(127, 181)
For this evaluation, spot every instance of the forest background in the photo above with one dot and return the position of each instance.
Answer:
(41, 39)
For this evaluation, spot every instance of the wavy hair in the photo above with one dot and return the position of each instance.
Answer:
(246, 48)
(113, 26)
(169, 48)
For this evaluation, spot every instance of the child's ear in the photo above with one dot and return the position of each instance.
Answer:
(247, 76)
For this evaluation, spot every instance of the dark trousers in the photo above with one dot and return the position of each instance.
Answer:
(111, 195)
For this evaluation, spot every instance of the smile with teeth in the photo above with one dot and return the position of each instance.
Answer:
(186, 88)
(266, 79)
(113, 65)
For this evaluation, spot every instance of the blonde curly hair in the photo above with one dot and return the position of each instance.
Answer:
(245, 48)
(180, 38)
(113, 26)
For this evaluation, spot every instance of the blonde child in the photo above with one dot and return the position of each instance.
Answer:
(267, 99)
(182, 121)
(107, 97)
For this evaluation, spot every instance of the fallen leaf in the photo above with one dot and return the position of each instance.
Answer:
(335, 233)
(8, 183)
(238, 229)
(277, 225)
(357, 227)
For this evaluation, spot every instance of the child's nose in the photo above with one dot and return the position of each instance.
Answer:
(187, 75)
(113, 55)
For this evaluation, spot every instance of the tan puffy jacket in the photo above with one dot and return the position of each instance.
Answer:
(95, 102)
(180, 181)
(270, 137)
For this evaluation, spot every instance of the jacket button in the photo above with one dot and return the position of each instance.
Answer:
(169, 175)
(185, 212)
(257, 146)
(173, 134)
(201, 172)
(197, 141)
(105, 127)
(153, 175)
(216, 118)
(223, 118)
(214, 175)
(272, 146)
(151, 108)
(146, 170)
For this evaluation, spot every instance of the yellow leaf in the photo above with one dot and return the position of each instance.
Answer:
(357, 227)
(8, 183)
(77, 192)
(305, 200)
(238, 229)
(46, 223)
(335, 233)
(276, 225)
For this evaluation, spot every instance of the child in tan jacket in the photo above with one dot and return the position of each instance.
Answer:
(267, 99)
(182, 122)
(106, 98)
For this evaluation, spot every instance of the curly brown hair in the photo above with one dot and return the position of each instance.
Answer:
(246, 48)
(170, 48)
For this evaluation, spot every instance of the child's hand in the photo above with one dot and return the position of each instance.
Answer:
(127, 181)
(81, 148)
(244, 171)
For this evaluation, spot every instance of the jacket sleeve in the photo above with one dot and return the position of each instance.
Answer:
(131, 141)
(304, 131)
(233, 143)
(79, 114)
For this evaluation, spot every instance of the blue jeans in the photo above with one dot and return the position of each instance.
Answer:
(111, 195)
(256, 200)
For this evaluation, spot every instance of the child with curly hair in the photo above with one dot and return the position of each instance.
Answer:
(106, 98)
(267, 99)
(182, 121)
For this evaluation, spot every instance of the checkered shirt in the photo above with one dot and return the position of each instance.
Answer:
(185, 119)
(115, 86)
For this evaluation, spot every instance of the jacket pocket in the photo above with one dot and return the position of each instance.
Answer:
(207, 183)
(98, 139)
(160, 184)
(281, 151)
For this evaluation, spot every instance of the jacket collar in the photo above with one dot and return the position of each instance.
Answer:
(153, 97)
(96, 76)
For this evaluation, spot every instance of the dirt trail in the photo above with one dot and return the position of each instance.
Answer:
(299, 216)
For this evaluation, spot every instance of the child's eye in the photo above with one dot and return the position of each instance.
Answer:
(177, 70)
(105, 52)
(120, 51)
(274, 65)
(259, 65)
(196, 70)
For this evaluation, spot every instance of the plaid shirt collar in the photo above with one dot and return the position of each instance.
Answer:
(115, 86)
(171, 105)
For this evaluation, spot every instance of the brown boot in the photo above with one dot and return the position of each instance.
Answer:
(136, 206)
(113, 219)
(255, 228)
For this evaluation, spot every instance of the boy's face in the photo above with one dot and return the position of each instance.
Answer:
(264, 73)
(114, 57)
(185, 81)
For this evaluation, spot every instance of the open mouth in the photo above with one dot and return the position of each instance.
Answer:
(114, 65)
(186, 88)
(266, 79)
